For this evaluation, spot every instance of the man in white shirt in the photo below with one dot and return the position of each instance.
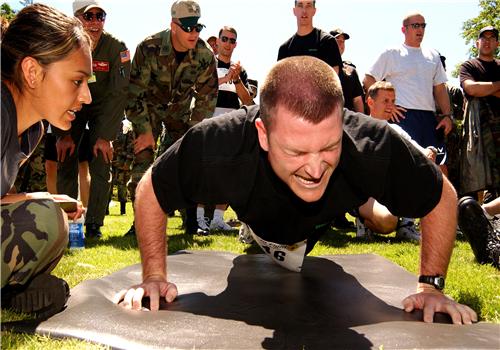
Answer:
(419, 78)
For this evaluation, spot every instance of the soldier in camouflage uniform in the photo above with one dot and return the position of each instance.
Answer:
(109, 86)
(124, 155)
(170, 69)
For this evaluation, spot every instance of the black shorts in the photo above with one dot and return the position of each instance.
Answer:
(84, 151)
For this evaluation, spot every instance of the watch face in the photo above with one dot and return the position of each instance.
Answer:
(439, 282)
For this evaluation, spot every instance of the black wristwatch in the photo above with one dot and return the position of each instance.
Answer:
(435, 281)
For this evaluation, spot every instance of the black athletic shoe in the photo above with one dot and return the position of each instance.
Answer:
(93, 231)
(475, 226)
(45, 295)
(131, 231)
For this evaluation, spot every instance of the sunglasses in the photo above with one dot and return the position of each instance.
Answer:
(225, 39)
(99, 16)
(417, 25)
(188, 29)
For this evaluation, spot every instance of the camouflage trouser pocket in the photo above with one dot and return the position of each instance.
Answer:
(34, 237)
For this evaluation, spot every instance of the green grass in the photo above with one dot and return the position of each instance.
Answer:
(468, 282)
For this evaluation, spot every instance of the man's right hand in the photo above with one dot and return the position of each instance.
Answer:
(64, 144)
(144, 141)
(398, 114)
(153, 287)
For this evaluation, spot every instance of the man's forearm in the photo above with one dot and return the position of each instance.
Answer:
(438, 233)
(151, 224)
(368, 81)
(442, 99)
(481, 88)
(243, 94)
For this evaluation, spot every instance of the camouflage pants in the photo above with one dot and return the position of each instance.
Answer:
(171, 131)
(120, 180)
(34, 237)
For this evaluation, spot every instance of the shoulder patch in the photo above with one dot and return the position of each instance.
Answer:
(124, 56)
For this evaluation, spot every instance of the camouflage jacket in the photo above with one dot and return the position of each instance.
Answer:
(160, 87)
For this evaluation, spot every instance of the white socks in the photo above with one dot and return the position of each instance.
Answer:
(200, 213)
(218, 215)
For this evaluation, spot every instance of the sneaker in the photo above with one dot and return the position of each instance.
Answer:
(44, 296)
(219, 224)
(406, 229)
(477, 228)
(244, 234)
(203, 228)
(361, 230)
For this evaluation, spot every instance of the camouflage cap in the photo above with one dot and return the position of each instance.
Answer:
(186, 11)
(82, 6)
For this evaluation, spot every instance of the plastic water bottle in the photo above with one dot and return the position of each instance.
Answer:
(76, 235)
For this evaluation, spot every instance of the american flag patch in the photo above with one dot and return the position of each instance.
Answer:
(125, 56)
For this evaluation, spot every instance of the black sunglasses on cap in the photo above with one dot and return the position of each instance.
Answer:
(225, 39)
(99, 16)
(188, 29)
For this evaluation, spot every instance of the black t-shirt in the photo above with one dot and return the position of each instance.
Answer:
(479, 70)
(220, 161)
(227, 96)
(351, 86)
(318, 44)
(14, 150)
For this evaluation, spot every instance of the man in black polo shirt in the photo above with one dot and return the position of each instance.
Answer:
(286, 170)
(310, 41)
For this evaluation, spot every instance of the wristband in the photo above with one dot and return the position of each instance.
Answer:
(442, 116)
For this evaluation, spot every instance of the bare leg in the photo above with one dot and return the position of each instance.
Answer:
(84, 176)
(493, 207)
(377, 217)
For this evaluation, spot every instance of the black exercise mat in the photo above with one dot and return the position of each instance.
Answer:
(248, 302)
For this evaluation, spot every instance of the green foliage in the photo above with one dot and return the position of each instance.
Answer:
(467, 282)
(7, 12)
(489, 15)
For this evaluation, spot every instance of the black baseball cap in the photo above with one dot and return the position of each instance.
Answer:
(488, 29)
(336, 32)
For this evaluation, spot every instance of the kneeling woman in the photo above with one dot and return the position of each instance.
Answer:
(46, 62)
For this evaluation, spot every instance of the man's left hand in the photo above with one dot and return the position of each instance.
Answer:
(432, 301)
(105, 147)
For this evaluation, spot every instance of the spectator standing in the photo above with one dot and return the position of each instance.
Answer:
(351, 86)
(480, 80)
(169, 70)
(212, 41)
(308, 40)
(108, 85)
(311, 41)
(419, 78)
(233, 88)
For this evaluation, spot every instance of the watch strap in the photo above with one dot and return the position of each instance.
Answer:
(436, 281)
